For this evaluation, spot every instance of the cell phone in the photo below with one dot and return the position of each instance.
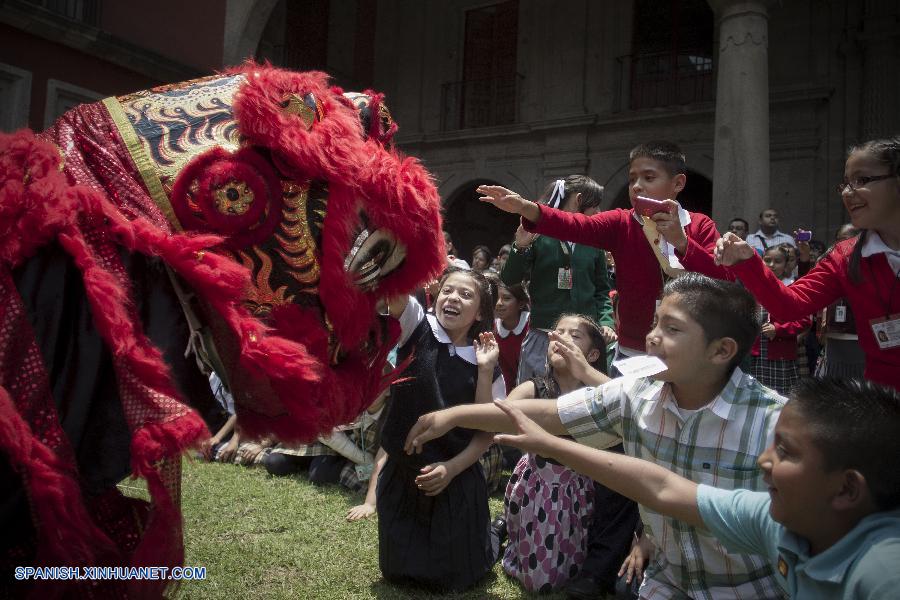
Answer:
(647, 207)
(803, 235)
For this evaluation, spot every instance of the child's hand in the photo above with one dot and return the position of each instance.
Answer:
(730, 250)
(523, 238)
(362, 511)
(502, 198)
(487, 351)
(768, 330)
(575, 360)
(226, 454)
(428, 427)
(637, 559)
(435, 478)
(532, 438)
(249, 453)
(205, 448)
(609, 334)
(669, 225)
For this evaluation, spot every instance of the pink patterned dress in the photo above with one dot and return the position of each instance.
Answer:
(548, 511)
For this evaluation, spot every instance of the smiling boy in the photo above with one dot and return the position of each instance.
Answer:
(701, 418)
(682, 240)
(830, 522)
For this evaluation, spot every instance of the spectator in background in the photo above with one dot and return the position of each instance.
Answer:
(739, 227)
(481, 259)
(501, 257)
(768, 234)
(452, 255)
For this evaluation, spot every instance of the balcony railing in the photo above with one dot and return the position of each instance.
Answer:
(665, 79)
(83, 11)
(480, 102)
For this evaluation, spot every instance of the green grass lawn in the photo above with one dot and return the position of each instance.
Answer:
(267, 537)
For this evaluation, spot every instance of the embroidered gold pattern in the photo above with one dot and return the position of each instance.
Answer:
(233, 198)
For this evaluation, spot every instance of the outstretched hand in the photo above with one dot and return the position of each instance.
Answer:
(730, 250)
(428, 427)
(504, 199)
(487, 351)
(531, 437)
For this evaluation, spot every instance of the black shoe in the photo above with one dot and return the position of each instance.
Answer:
(584, 588)
(498, 525)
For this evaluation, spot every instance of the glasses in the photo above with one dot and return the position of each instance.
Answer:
(860, 182)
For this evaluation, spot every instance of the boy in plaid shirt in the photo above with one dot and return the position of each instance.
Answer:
(702, 418)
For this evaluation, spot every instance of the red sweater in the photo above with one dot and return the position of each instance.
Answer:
(638, 274)
(784, 345)
(825, 283)
(510, 349)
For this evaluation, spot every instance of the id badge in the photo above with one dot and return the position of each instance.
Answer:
(364, 471)
(564, 279)
(840, 314)
(886, 331)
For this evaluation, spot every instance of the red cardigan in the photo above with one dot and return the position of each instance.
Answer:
(638, 274)
(784, 345)
(510, 350)
(825, 283)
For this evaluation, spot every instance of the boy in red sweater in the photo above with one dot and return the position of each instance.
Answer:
(682, 240)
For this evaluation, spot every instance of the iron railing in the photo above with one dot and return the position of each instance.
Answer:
(83, 11)
(480, 102)
(664, 79)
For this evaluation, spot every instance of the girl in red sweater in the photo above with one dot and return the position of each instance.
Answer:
(773, 358)
(865, 269)
(510, 327)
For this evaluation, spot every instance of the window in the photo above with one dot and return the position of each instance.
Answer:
(62, 96)
(487, 93)
(672, 61)
(15, 97)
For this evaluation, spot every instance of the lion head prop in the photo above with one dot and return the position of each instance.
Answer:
(281, 214)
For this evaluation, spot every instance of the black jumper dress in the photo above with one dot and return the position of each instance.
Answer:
(438, 541)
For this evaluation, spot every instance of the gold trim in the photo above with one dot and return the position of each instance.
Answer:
(144, 165)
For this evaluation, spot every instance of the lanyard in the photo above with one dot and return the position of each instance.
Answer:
(565, 249)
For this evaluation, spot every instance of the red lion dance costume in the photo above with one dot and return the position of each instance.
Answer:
(276, 209)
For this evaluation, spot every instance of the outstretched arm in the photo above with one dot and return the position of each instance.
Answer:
(509, 201)
(646, 483)
(486, 417)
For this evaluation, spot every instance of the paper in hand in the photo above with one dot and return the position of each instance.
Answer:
(640, 366)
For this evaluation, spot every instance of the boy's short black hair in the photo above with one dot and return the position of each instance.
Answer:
(855, 424)
(668, 153)
(742, 220)
(721, 308)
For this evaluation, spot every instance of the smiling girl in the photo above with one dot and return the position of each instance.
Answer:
(433, 517)
(865, 269)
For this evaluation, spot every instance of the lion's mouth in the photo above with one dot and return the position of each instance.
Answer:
(375, 254)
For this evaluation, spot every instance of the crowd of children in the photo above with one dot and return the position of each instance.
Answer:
(742, 493)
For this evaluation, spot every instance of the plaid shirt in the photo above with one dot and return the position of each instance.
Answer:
(717, 445)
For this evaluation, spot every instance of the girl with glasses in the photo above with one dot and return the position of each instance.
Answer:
(864, 269)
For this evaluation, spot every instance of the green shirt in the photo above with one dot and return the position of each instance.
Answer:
(864, 564)
(539, 264)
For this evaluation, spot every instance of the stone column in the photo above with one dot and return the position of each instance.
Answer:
(741, 151)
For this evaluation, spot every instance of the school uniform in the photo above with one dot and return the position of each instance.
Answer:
(862, 564)
(875, 297)
(639, 278)
(774, 361)
(440, 541)
(762, 242)
(509, 342)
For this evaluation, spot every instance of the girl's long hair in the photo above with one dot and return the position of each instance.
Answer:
(887, 151)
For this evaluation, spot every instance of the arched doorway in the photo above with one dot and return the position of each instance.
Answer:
(471, 222)
(695, 197)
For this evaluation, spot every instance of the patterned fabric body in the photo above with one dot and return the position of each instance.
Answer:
(718, 445)
(548, 511)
